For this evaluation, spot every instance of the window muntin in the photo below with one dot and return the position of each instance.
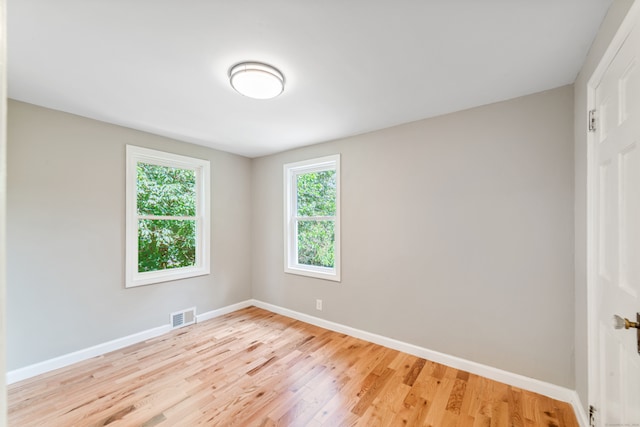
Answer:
(167, 217)
(312, 218)
(166, 207)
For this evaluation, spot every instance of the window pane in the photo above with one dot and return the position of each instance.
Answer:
(315, 243)
(165, 244)
(316, 193)
(162, 190)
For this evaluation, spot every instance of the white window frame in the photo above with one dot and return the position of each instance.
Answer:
(291, 171)
(201, 167)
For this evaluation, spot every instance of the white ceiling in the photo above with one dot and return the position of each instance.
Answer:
(351, 66)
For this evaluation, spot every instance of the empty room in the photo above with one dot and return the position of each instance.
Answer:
(320, 213)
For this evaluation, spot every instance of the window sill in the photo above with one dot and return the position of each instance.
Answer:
(149, 278)
(325, 274)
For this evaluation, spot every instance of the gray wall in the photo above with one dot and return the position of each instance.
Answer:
(457, 235)
(608, 28)
(65, 240)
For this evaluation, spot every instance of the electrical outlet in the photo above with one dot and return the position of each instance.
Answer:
(319, 304)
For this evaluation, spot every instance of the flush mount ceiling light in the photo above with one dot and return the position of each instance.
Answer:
(256, 80)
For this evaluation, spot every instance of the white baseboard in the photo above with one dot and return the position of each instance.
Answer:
(579, 410)
(516, 380)
(100, 349)
(224, 310)
(84, 354)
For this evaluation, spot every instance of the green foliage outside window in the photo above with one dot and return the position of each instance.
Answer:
(166, 243)
(316, 197)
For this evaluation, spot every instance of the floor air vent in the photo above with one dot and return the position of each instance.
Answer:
(183, 318)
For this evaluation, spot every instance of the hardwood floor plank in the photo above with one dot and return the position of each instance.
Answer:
(413, 373)
(454, 403)
(419, 386)
(414, 415)
(256, 368)
(439, 397)
(516, 417)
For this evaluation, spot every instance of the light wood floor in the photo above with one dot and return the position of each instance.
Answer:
(256, 368)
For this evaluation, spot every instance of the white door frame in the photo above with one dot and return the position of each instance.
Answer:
(632, 17)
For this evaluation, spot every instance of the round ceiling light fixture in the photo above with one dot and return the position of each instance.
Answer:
(256, 80)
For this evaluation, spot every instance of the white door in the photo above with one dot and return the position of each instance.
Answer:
(616, 238)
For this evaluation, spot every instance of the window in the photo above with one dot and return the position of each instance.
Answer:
(312, 218)
(167, 224)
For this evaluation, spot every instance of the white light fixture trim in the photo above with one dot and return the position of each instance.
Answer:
(256, 80)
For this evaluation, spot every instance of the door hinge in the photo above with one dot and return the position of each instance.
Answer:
(592, 416)
(592, 120)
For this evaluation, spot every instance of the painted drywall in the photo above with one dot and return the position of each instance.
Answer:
(457, 235)
(608, 28)
(65, 239)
